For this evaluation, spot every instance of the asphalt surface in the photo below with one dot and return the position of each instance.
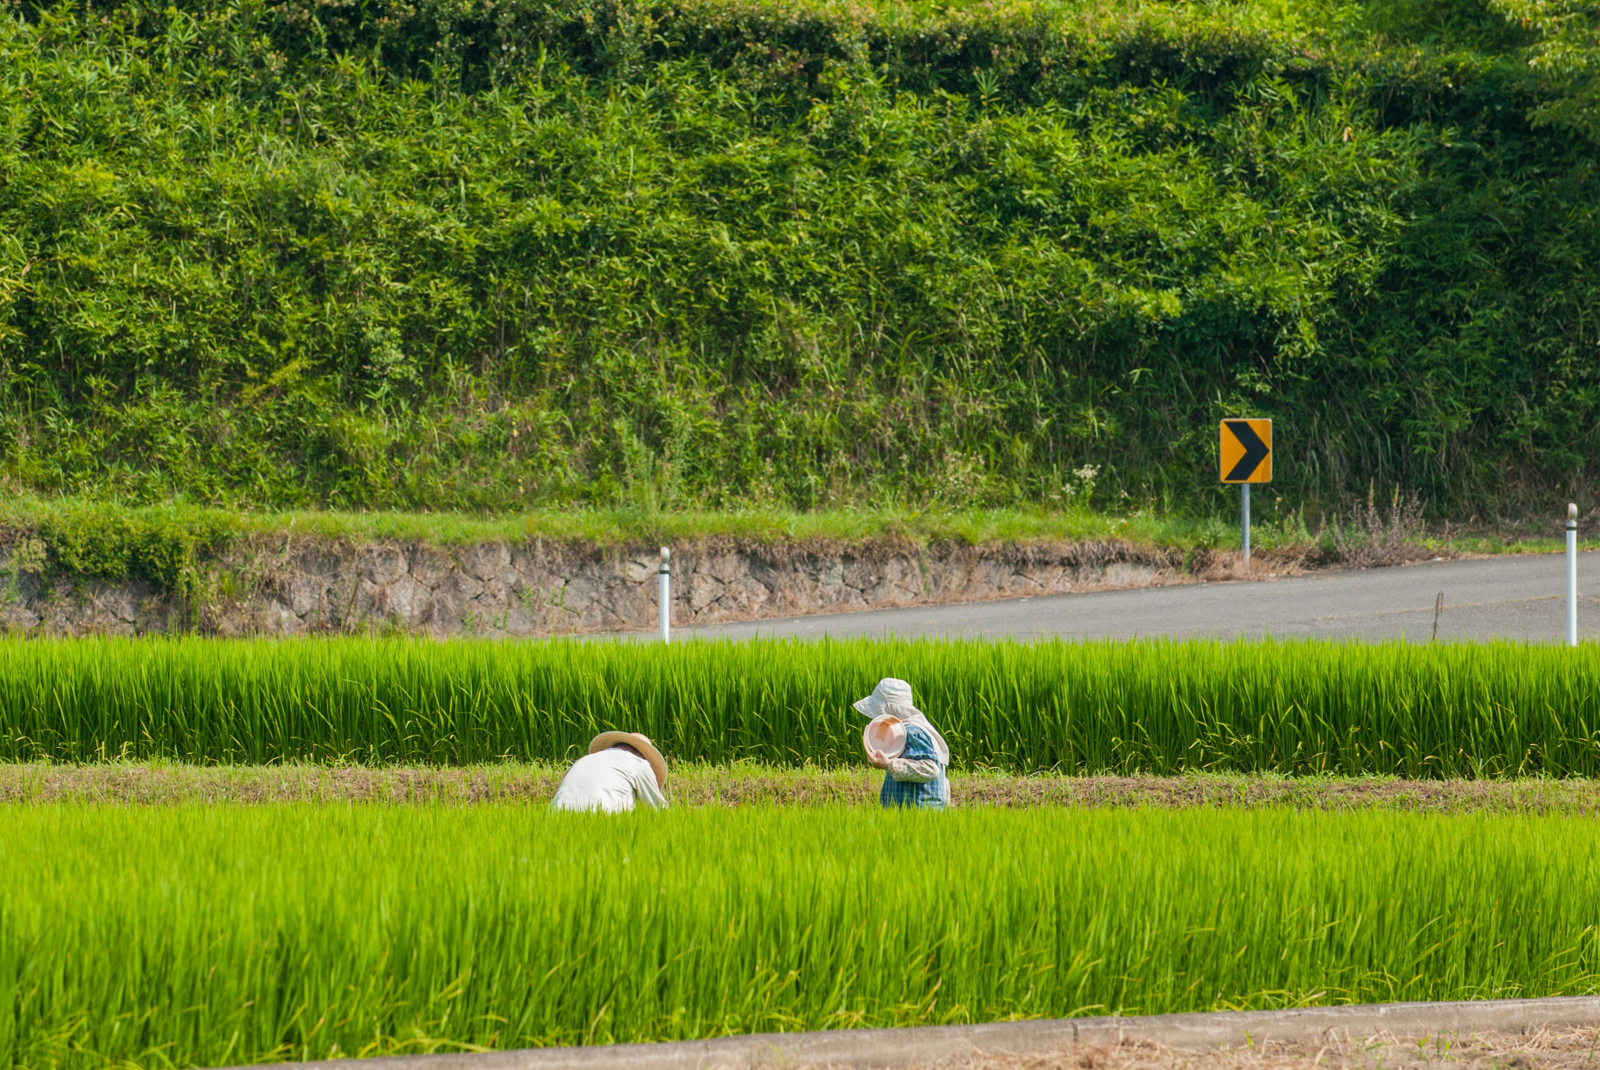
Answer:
(1520, 597)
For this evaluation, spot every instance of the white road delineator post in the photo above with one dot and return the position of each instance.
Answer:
(1572, 574)
(666, 595)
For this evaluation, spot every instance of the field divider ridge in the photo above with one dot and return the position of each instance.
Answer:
(927, 1045)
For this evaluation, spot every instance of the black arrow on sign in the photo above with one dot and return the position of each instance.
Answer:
(1255, 450)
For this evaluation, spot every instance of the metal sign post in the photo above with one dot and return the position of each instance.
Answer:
(666, 595)
(1246, 455)
(1244, 521)
(1572, 574)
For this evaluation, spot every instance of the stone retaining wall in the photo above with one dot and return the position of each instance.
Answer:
(283, 586)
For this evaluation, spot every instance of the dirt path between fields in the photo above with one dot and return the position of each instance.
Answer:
(744, 785)
(1548, 1049)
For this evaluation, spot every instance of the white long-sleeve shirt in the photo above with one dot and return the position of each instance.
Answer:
(608, 780)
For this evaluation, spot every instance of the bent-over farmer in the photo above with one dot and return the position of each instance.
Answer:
(914, 775)
(621, 767)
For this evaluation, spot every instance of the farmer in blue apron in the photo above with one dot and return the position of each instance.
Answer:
(902, 742)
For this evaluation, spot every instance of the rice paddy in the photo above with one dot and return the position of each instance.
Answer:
(217, 853)
(1297, 708)
(194, 935)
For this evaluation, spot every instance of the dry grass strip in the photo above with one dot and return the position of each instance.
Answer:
(158, 783)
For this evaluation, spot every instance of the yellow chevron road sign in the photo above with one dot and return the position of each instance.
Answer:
(1247, 451)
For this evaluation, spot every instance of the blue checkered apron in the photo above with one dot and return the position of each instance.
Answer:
(932, 795)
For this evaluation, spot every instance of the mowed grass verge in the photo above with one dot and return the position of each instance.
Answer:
(1151, 707)
(214, 935)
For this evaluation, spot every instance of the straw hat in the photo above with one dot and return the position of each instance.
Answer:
(639, 743)
(886, 734)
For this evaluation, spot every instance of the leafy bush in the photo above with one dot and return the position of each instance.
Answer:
(485, 254)
(165, 548)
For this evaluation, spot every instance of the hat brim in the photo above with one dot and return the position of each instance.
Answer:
(893, 750)
(872, 710)
(658, 764)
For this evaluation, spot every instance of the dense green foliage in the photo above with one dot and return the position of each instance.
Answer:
(225, 935)
(1160, 707)
(475, 254)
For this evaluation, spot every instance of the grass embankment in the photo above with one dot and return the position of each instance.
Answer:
(748, 784)
(67, 522)
(223, 935)
(487, 254)
(1476, 711)
(185, 550)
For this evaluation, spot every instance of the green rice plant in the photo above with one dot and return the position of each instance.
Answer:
(221, 935)
(1473, 711)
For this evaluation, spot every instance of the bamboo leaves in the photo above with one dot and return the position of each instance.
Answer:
(280, 257)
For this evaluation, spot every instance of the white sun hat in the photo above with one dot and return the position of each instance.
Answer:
(893, 696)
(886, 734)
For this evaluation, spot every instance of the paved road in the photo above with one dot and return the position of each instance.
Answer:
(1521, 597)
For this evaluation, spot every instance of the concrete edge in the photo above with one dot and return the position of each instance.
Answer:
(930, 1044)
